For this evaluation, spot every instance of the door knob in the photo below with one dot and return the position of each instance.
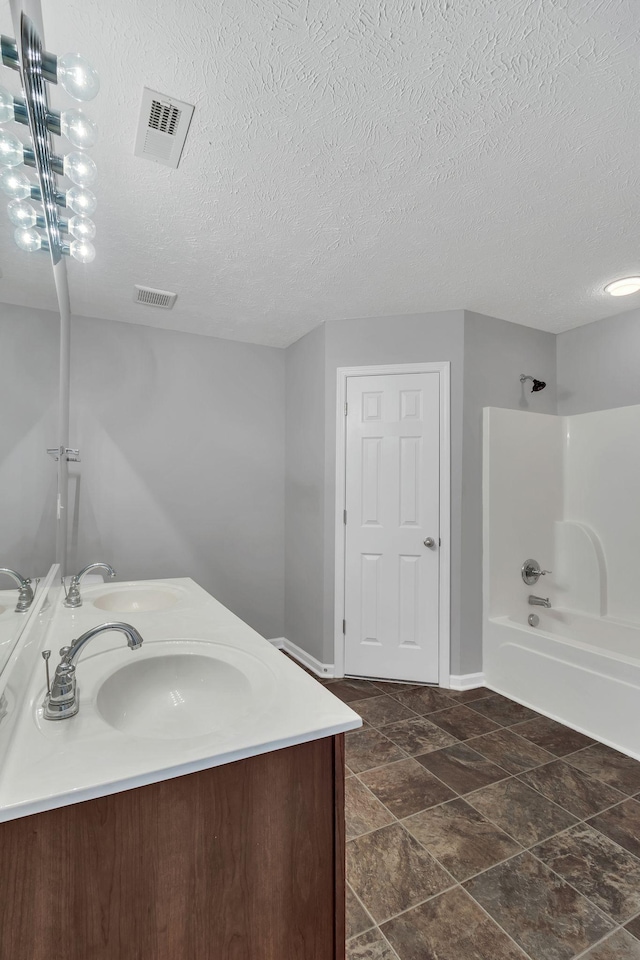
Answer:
(429, 542)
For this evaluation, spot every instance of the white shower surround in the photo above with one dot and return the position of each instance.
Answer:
(561, 490)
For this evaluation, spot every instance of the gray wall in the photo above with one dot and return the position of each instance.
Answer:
(311, 443)
(599, 365)
(487, 357)
(182, 473)
(495, 354)
(29, 349)
(304, 493)
(404, 339)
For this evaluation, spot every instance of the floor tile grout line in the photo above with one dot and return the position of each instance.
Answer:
(509, 776)
(378, 930)
(420, 903)
(378, 800)
(552, 758)
(409, 834)
(589, 816)
(579, 820)
(395, 954)
(630, 796)
(373, 922)
(610, 839)
(448, 890)
(553, 836)
(457, 796)
(563, 880)
(525, 847)
(612, 933)
(413, 713)
(598, 943)
(527, 955)
(479, 872)
(575, 889)
(529, 849)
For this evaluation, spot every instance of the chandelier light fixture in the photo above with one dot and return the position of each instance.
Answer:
(44, 227)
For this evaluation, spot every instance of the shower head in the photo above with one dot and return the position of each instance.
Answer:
(537, 384)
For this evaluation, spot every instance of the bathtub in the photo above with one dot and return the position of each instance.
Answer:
(581, 670)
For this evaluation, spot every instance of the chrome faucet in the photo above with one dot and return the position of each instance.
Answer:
(72, 595)
(539, 601)
(25, 597)
(63, 700)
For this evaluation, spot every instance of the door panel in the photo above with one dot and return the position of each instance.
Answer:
(392, 503)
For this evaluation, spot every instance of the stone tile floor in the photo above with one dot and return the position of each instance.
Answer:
(480, 830)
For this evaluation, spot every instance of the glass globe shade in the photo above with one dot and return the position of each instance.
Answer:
(82, 251)
(78, 77)
(78, 128)
(81, 201)
(10, 150)
(82, 228)
(22, 213)
(80, 168)
(28, 240)
(6, 106)
(14, 184)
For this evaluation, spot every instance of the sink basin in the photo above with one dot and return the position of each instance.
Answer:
(167, 694)
(140, 600)
(3, 609)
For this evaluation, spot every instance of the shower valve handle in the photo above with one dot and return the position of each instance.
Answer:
(531, 572)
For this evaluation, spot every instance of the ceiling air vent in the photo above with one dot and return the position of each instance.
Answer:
(162, 128)
(154, 298)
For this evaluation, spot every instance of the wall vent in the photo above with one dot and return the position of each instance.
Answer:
(162, 128)
(154, 298)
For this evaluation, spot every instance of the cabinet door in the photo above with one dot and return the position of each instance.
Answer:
(241, 862)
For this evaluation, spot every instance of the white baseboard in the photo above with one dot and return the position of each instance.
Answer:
(466, 681)
(303, 658)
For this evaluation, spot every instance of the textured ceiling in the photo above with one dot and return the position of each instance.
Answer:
(355, 159)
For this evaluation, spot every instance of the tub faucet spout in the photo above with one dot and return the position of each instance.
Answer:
(539, 601)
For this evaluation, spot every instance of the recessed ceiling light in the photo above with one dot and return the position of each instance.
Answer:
(622, 288)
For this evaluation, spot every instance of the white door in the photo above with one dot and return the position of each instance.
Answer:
(392, 526)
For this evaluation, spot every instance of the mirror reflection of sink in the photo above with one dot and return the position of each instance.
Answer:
(179, 695)
(139, 600)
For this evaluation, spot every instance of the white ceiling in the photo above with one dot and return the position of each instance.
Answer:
(356, 158)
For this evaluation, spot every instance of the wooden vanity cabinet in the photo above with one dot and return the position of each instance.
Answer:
(240, 862)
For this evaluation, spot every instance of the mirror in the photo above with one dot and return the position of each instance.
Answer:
(29, 363)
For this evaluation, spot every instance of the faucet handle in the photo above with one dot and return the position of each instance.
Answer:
(531, 572)
(45, 656)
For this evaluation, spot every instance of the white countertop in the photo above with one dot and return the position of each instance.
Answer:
(51, 764)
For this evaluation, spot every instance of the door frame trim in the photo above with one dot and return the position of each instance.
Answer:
(443, 368)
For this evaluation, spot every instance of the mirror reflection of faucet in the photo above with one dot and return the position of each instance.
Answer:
(72, 597)
(25, 597)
